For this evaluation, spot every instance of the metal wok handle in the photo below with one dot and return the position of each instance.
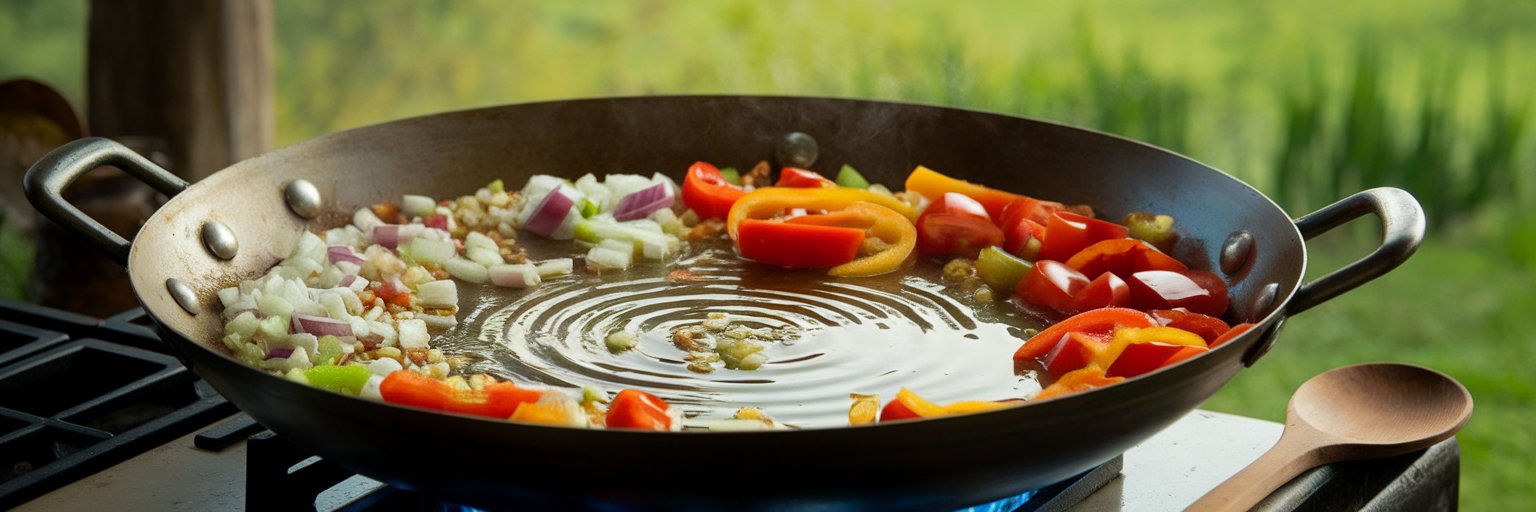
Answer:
(1402, 223)
(47, 179)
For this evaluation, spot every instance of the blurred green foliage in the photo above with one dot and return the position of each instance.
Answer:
(1309, 100)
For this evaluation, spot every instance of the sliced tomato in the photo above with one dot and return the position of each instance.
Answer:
(897, 411)
(393, 292)
(707, 193)
(1197, 291)
(1067, 233)
(1123, 256)
(1099, 322)
(955, 234)
(1051, 284)
(800, 178)
(954, 202)
(797, 245)
(1107, 290)
(1023, 239)
(1028, 208)
(1207, 326)
(638, 410)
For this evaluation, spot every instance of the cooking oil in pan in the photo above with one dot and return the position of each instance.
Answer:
(823, 337)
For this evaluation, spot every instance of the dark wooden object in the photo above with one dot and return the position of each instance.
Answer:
(193, 73)
(184, 82)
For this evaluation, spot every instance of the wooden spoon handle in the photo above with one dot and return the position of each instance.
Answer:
(1279, 465)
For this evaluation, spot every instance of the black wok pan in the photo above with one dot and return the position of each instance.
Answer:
(908, 465)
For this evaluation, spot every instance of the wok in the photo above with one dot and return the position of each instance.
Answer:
(1226, 225)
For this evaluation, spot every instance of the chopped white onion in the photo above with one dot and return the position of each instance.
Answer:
(555, 267)
(440, 293)
(417, 206)
(413, 334)
(467, 270)
(514, 276)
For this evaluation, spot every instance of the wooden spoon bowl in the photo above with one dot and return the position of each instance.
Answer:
(1356, 412)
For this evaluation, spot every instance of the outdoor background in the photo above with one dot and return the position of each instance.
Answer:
(1307, 100)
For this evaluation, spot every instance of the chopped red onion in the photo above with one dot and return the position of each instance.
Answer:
(514, 276)
(346, 280)
(337, 253)
(394, 235)
(321, 326)
(640, 204)
(436, 221)
(279, 353)
(550, 214)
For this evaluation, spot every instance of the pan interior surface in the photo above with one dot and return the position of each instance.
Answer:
(824, 337)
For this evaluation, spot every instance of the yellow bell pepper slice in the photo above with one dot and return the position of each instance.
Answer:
(769, 201)
(1127, 335)
(890, 227)
(970, 406)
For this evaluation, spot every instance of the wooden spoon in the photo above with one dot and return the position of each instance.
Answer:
(1356, 412)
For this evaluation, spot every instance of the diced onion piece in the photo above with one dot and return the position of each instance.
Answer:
(514, 276)
(413, 334)
(417, 206)
(439, 321)
(485, 257)
(321, 326)
(273, 305)
(465, 270)
(603, 257)
(384, 366)
(279, 353)
(640, 204)
(366, 220)
(476, 239)
(431, 250)
(229, 296)
(551, 213)
(395, 235)
(440, 293)
(554, 267)
(339, 253)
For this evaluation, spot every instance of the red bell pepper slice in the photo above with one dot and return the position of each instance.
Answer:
(1140, 358)
(638, 410)
(1123, 257)
(1107, 290)
(495, 400)
(1075, 351)
(1098, 322)
(800, 178)
(707, 193)
(1067, 233)
(1024, 208)
(1208, 327)
(1023, 239)
(797, 245)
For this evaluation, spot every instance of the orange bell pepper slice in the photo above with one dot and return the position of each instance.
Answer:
(933, 185)
(1076, 381)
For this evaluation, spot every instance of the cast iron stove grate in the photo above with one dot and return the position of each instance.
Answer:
(72, 405)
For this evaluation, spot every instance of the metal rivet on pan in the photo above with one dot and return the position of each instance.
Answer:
(796, 150)
(303, 198)
(1264, 300)
(183, 295)
(220, 240)
(1236, 252)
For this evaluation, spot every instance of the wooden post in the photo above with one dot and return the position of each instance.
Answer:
(194, 74)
